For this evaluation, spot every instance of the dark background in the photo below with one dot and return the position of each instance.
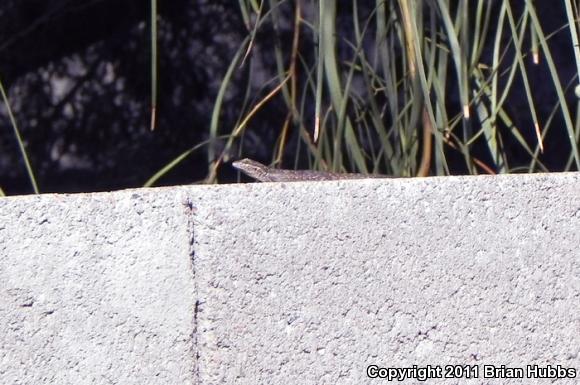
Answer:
(78, 77)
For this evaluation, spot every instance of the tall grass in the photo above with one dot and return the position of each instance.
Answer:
(405, 86)
(405, 78)
(20, 141)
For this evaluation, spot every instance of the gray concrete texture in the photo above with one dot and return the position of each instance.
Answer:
(294, 283)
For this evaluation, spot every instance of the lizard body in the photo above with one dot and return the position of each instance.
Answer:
(263, 173)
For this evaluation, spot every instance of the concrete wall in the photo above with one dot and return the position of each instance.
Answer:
(293, 283)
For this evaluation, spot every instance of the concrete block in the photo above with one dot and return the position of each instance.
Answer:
(294, 283)
(96, 289)
(312, 283)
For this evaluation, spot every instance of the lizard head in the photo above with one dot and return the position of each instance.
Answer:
(251, 168)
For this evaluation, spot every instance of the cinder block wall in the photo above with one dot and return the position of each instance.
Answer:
(294, 283)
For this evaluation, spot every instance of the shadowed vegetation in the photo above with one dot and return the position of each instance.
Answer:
(395, 87)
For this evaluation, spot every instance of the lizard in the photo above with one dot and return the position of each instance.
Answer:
(263, 173)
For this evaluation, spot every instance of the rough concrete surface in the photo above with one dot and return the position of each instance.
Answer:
(293, 283)
(96, 289)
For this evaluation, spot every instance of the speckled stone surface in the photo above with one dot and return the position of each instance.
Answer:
(292, 283)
